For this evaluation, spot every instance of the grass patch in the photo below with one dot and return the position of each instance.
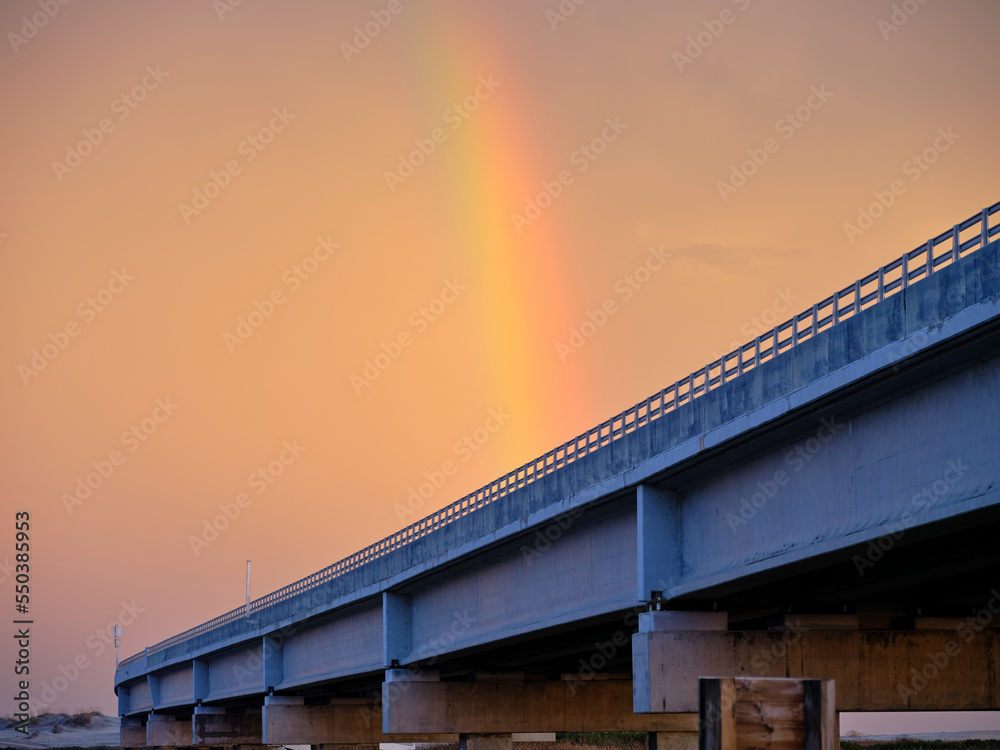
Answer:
(922, 745)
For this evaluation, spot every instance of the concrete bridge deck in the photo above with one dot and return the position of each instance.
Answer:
(821, 502)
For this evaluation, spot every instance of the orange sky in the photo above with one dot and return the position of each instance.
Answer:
(470, 179)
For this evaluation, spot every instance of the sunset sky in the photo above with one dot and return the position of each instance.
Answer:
(288, 257)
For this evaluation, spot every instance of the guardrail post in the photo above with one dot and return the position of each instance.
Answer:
(985, 229)
(930, 257)
(956, 246)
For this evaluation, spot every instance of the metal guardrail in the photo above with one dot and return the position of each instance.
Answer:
(886, 281)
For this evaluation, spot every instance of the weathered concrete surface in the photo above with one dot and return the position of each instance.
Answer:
(132, 732)
(357, 722)
(874, 670)
(530, 706)
(226, 729)
(164, 730)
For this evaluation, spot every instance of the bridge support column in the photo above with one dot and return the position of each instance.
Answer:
(344, 722)
(646, 669)
(133, 732)
(166, 730)
(213, 726)
(485, 742)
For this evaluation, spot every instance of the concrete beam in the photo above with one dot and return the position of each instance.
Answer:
(132, 732)
(946, 670)
(504, 707)
(272, 654)
(123, 700)
(211, 727)
(343, 723)
(658, 540)
(166, 730)
(199, 675)
(396, 627)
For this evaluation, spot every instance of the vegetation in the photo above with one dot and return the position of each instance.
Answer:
(922, 745)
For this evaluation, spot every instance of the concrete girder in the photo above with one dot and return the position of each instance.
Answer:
(874, 670)
(342, 723)
(507, 706)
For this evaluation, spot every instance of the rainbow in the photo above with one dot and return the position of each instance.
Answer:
(520, 291)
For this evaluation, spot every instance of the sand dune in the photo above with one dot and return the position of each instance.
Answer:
(52, 731)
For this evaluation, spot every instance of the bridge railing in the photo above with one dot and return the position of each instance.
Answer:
(938, 252)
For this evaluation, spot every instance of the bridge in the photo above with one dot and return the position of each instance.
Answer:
(821, 502)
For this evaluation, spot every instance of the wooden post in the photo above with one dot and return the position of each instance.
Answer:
(766, 712)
